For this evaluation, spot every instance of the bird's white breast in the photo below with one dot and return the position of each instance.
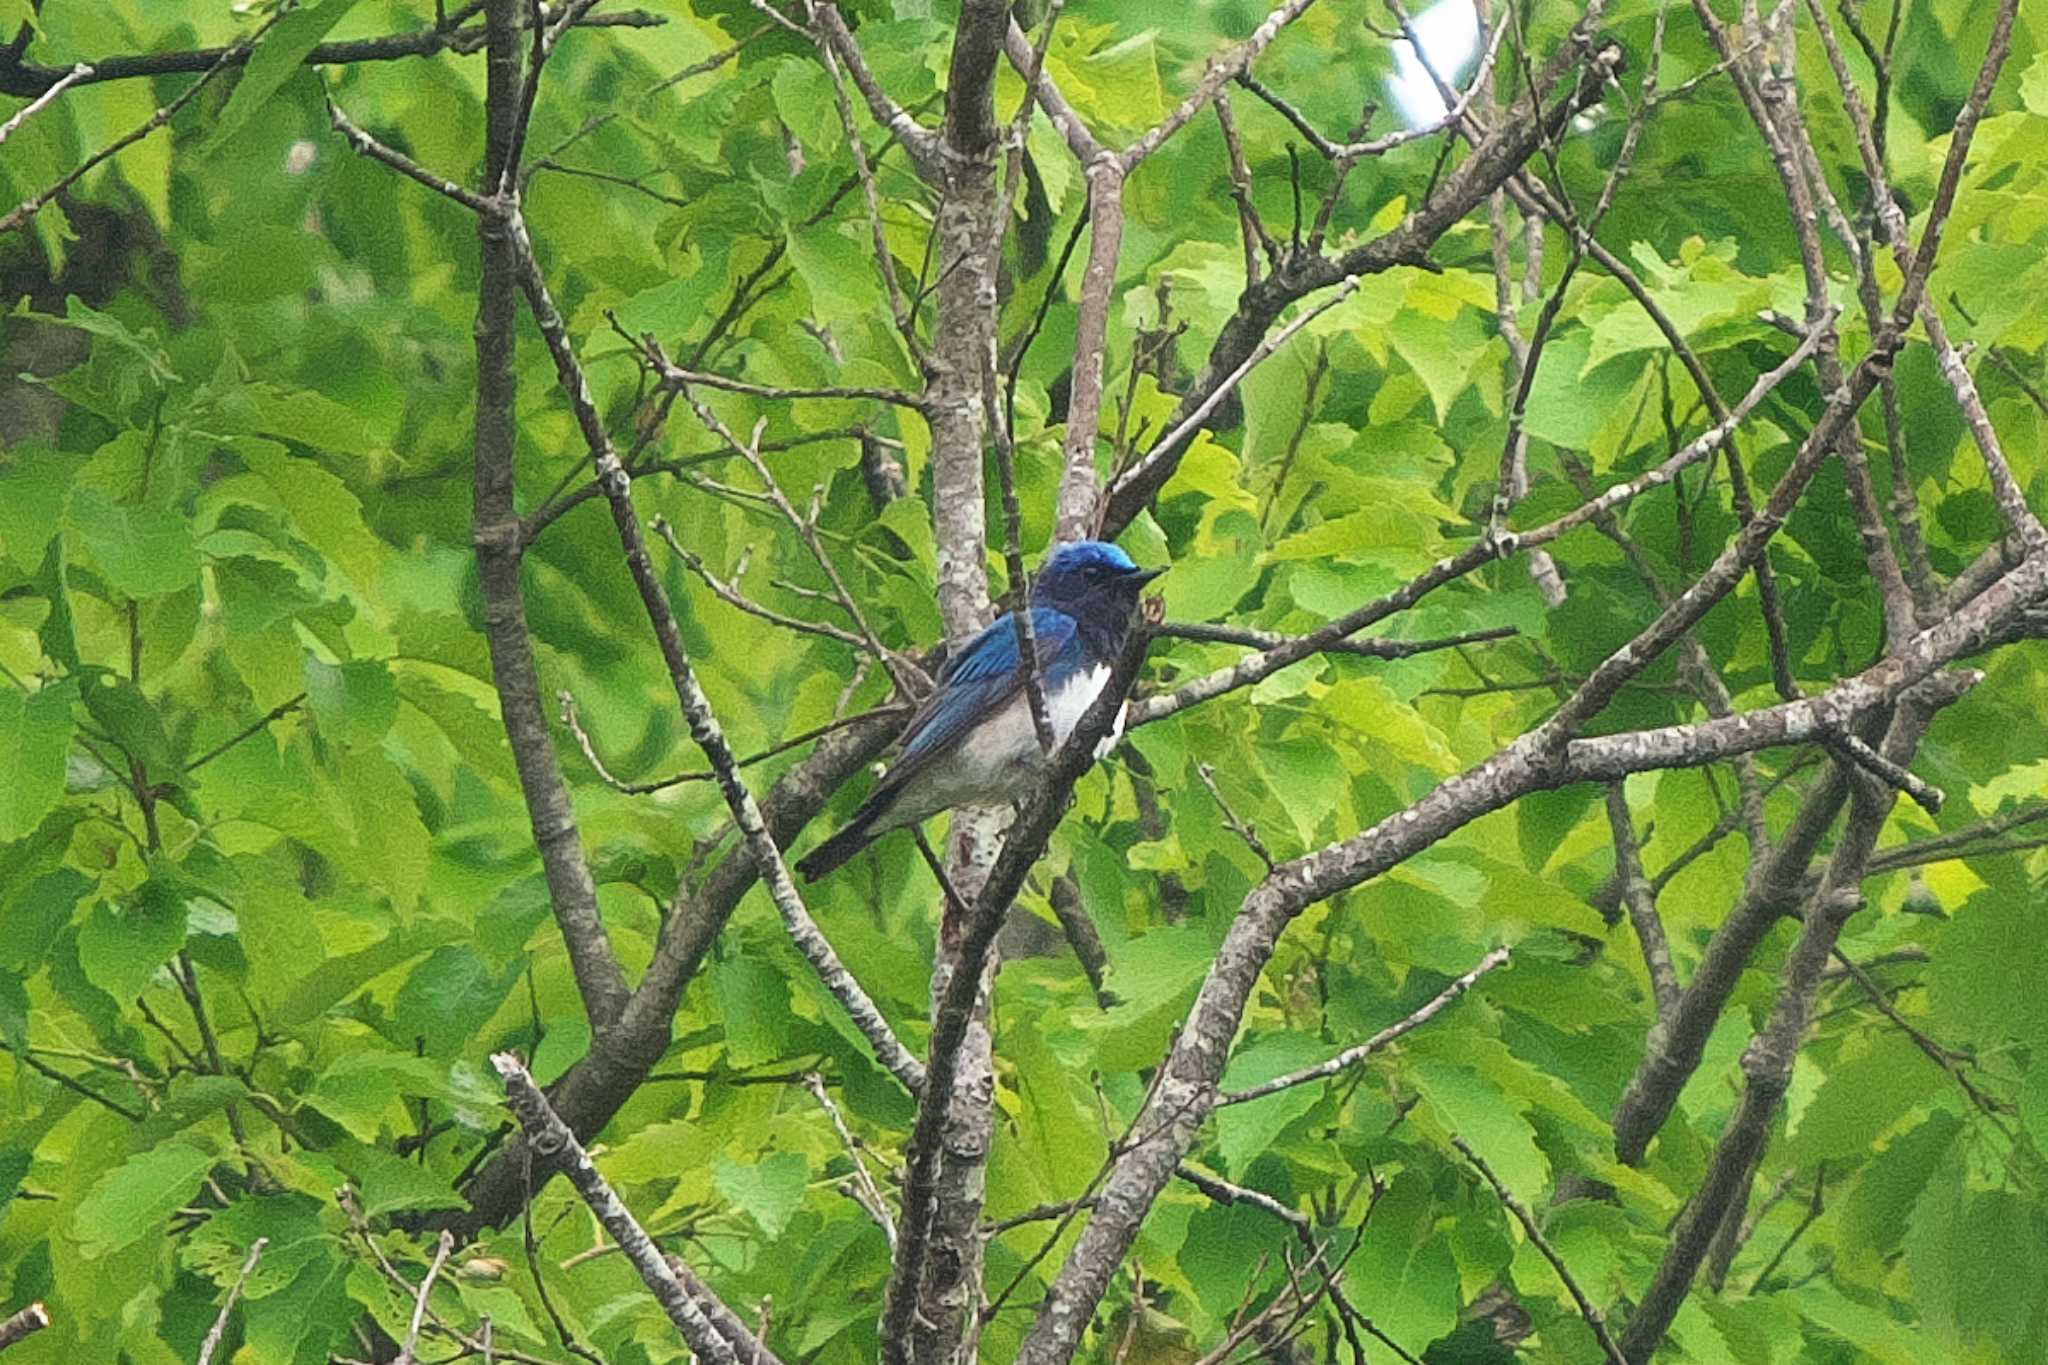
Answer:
(997, 760)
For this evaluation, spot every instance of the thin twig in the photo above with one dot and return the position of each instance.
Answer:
(34, 204)
(1846, 744)
(1815, 1206)
(574, 722)
(398, 161)
(220, 1323)
(1641, 902)
(44, 100)
(1942, 1057)
(1588, 1310)
(1167, 445)
(1351, 1056)
(1207, 773)
(869, 1194)
(551, 1138)
(26, 1323)
(676, 376)
(408, 1354)
(277, 712)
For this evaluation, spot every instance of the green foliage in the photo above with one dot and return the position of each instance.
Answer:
(269, 893)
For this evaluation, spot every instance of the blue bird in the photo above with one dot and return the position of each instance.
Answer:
(972, 743)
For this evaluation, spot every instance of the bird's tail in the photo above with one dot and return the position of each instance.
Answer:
(857, 835)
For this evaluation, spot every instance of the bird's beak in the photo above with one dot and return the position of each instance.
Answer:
(1144, 576)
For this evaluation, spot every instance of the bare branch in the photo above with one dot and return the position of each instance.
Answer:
(918, 140)
(1948, 1060)
(1595, 1319)
(220, 1323)
(1352, 1056)
(675, 376)
(1768, 1060)
(27, 80)
(867, 1194)
(730, 594)
(1264, 664)
(885, 259)
(1220, 71)
(1238, 827)
(43, 101)
(26, 1323)
(702, 721)
(496, 537)
(1022, 846)
(408, 1354)
(686, 1306)
(590, 754)
(1168, 446)
(403, 164)
(1848, 745)
(1497, 157)
(1641, 902)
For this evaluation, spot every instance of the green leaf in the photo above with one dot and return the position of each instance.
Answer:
(33, 485)
(360, 1090)
(14, 1008)
(323, 509)
(1245, 1131)
(305, 1318)
(36, 915)
(218, 1248)
(155, 363)
(838, 271)
(57, 635)
(35, 741)
(1490, 1120)
(143, 551)
(1059, 1131)
(449, 997)
(121, 949)
(337, 978)
(753, 1004)
(354, 703)
(277, 58)
(1404, 1265)
(134, 1198)
(390, 1184)
(768, 1191)
(1862, 1097)
(135, 724)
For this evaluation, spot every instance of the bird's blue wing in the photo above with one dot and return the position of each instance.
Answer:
(979, 680)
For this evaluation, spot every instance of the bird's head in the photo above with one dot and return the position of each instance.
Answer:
(1089, 574)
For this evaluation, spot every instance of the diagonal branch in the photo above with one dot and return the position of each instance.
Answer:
(1250, 670)
(955, 1011)
(702, 721)
(1595, 1319)
(689, 1306)
(1352, 1056)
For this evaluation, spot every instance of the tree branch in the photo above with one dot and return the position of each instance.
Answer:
(1767, 1062)
(1352, 1056)
(26, 79)
(220, 1323)
(1595, 1319)
(1642, 903)
(702, 721)
(687, 1306)
(498, 546)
